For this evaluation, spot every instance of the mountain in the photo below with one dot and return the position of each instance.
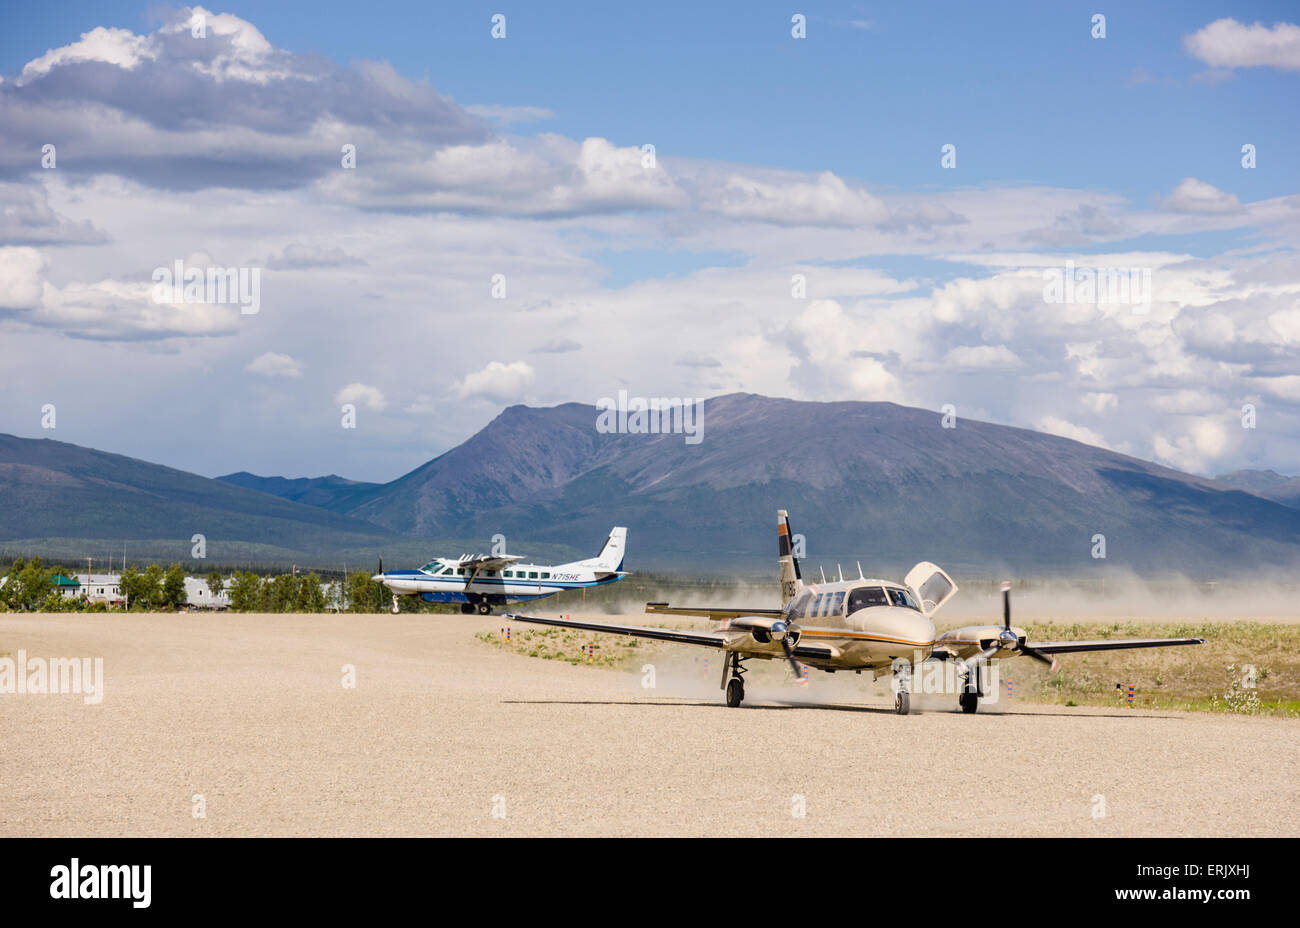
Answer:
(314, 491)
(1266, 483)
(872, 482)
(73, 500)
(878, 482)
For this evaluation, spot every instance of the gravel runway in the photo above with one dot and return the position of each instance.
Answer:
(445, 735)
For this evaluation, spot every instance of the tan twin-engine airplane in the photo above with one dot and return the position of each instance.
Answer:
(875, 625)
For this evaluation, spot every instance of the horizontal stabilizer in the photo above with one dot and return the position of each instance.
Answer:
(710, 612)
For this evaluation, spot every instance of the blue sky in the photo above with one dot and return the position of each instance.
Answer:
(777, 157)
(1023, 89)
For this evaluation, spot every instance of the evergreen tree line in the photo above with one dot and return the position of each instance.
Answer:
(31, 587)
(304, 593)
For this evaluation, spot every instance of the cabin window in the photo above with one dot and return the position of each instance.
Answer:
(460, 571)
(837, 607)
(532, 575)
(546, 575)
(866, 596)
(799, 608)
(903, 598)
(823, 600)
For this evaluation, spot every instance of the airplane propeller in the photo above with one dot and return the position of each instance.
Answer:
(1019, 647)
(1008, 639)
(785, 631)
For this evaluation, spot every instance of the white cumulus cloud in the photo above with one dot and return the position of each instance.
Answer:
(273, 364)
(1196, 196)
(361, 394)
(498, 382)
(1226, 43)
(823, 200)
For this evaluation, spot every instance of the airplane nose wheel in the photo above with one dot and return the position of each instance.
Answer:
(902, 697)
(396, 607)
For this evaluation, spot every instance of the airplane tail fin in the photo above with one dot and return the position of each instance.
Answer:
(611, 556)
(791, 581)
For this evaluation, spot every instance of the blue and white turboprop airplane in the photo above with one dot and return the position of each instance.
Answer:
(480, 581)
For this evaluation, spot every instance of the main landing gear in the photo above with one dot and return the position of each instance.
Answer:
(972, 690)
(731, 682)
(481, 608)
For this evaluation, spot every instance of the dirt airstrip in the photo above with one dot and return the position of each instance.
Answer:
(247, 719)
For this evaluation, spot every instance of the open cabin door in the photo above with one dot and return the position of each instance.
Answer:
(932, 585)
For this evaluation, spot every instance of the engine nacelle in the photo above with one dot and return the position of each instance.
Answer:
(776, 633)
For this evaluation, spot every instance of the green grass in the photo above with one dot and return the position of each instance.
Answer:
(563, 644)
(1199, 678)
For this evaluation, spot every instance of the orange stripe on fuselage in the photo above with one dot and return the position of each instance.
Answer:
(808, 632)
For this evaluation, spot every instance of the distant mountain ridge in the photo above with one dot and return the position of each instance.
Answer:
(53, 490)
(876, 482)
(313, 491)
(1266, 483)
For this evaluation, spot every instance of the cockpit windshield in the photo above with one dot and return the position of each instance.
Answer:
(902, 598)
(866, 596)
(431, 567)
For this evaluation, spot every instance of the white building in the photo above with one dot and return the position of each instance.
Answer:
(101, 588)
(198, 596)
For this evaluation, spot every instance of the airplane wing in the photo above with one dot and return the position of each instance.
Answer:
(717, 639)
(481, 562)
(1114, 644)
(964, 650)
(707, 611)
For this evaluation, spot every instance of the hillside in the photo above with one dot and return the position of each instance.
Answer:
(73, 497)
